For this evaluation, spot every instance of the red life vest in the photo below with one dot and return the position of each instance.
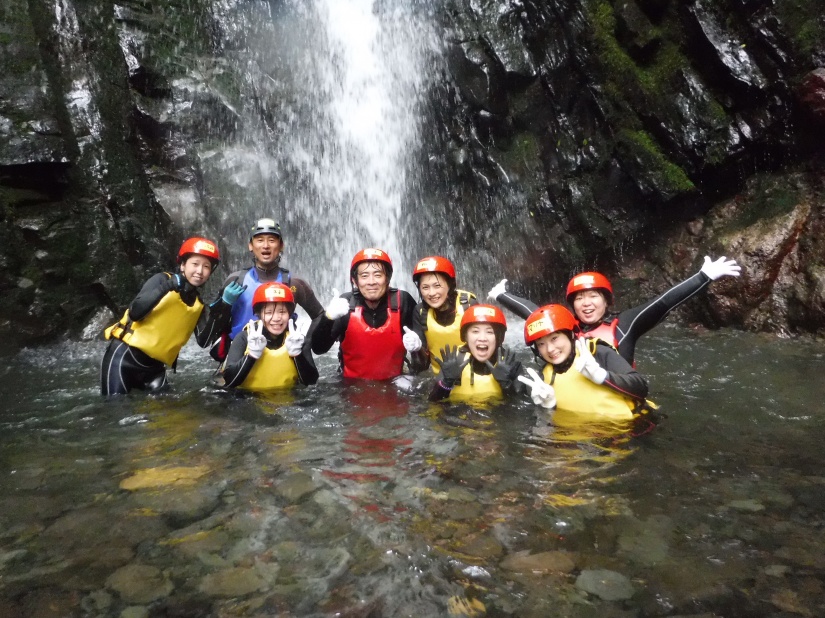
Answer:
(606, 331)
(374, 353)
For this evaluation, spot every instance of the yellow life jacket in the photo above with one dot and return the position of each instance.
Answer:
(164, 330)
(438, 336)
(575, 393)
(275, 369)
(475, 387)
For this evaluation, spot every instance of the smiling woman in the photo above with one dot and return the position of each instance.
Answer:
(159, 322)
(482, 369)
(437, 317)
(267, 354)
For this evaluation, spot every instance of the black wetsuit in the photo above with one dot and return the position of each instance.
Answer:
(325, 332)
(125, 367)
(239, 363)
(621, 376)
(631, 323)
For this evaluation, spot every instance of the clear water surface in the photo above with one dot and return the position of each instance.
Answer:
(364, 501)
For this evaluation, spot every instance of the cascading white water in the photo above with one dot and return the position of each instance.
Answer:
(335, 88)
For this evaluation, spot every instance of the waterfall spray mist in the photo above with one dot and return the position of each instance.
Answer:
(331, 126)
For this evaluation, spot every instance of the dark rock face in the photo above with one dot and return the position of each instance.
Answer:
(641, 114)
(565, 135)
(79, 224)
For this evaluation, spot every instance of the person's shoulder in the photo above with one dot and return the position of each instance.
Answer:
(299, 284)
(237, 276)
(157, 279)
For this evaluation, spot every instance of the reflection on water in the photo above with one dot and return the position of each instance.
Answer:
(359, 500)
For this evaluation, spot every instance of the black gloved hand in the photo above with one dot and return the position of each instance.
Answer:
(507, 369)
(452, 364)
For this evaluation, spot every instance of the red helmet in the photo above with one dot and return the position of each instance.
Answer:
(433, 264)
(488, 314)
(199, 246)
(371, 255)
(589, 281)
(272, 293)
(547, 319)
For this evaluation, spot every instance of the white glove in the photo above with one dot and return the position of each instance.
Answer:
(541, 393)
(586, 365)
(338, 307)
(722, 267)
(497, 290)
(255, 340)
(294, 341)
(412, 342)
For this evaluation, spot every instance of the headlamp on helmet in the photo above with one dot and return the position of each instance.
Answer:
(265, 226)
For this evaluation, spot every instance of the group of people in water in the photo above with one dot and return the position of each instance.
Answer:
(584, 352)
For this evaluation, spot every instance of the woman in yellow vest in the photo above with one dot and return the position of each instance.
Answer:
(266, 354)
(481, 369)
(437, 318)
(587, 377)
(158, 322)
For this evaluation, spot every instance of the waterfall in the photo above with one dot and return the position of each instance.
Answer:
(331, 126)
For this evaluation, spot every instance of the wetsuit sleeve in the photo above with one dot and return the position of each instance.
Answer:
(218, 315)
(439, 392)
(633, 323)
(323, 332)
(214, 321)
(238, 363)
(421, 361)
(621, 377)
(155, 288)
(304, 363)
(520, 306)
(305, 297)
(418, 360)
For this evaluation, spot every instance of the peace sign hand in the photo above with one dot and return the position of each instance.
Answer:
(294, 341)
(255, 339)
(541, 393)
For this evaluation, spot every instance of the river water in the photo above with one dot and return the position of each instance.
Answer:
(365, 501)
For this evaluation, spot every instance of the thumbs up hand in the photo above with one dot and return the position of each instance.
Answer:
(338, 307)
(412, 342)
